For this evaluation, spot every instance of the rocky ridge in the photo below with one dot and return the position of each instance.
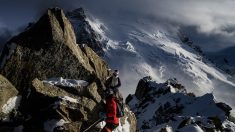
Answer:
(168, 107)
(49, 49)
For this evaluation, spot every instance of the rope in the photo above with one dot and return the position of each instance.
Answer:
(92, 125)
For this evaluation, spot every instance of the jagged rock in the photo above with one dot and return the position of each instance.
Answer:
(7, 91)
(47, 103)
(169, 104)
(91, 91)
(226, 108)
(49, 49)
(130, 117)
(84, 32)
(142, 88)
(128, 98)
(9, 103)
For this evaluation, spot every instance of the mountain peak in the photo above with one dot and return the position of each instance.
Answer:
(78, 13)
(49, 42)
(84, 32)
(53, 26)
(35, 62)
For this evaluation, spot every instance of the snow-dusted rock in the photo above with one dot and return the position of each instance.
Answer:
(85, 34)
(8, 96)
(160, 105)
(66, 82)
(48, 49)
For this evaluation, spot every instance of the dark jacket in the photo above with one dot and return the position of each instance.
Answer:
(109, 82)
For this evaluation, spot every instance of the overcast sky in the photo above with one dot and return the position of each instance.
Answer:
(210, 23)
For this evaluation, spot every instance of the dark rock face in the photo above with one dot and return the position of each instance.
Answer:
(84, 32)
(48, 49)
(142, 88)
(226, 108)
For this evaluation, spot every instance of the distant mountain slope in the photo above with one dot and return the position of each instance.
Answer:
(224, 59)
(139, 48)
(84, 32)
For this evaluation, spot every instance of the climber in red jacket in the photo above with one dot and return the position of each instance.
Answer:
(112, 121)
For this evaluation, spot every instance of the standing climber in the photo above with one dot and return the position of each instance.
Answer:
(112, 121)
(113, 83)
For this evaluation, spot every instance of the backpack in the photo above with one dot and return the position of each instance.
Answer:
(120, 110)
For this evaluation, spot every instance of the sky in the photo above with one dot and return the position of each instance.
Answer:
(210, 23)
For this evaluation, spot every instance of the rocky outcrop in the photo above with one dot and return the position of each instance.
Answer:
(61, 104)
(84, 32)
(48, 49)
(142, 88)
(168, 107)
(130, 118)
(8, 94)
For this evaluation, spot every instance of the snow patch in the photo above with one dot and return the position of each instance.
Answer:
(50, 125)
(101, 124)
(69, 99)
(66, 82)
(228, 124)
(12, 103)
(97, 26)
(121, 128)
(126, 126)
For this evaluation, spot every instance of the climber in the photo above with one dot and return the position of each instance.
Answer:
(113, 83)
(112, 121)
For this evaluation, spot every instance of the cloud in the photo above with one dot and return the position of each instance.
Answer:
(212, 22)
(210, 19)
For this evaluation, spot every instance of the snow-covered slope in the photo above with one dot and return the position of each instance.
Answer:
(224, 59)
(159, 106)
(139, 48)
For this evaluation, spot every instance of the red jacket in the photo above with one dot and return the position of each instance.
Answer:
(111, 111)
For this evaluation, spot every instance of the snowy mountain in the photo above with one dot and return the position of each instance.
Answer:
(221, 59)
(140, 48)
(169, 107)
(84, 32)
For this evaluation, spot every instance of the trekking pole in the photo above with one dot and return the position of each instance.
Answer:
(92, 125)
